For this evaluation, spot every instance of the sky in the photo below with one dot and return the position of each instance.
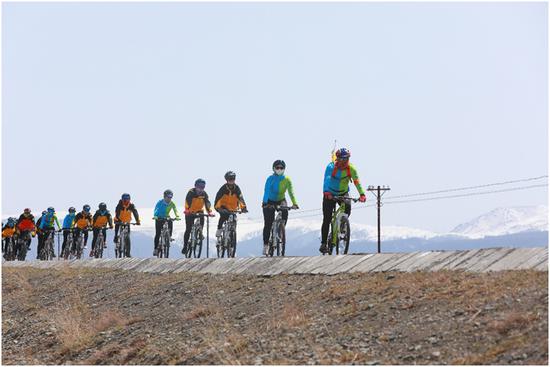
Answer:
(104, 98)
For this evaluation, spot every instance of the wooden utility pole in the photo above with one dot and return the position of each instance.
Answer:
(378, 191)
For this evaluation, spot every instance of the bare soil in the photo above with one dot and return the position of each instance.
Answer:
(101, 316)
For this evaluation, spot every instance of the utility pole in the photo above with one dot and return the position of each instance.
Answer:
(378, 191)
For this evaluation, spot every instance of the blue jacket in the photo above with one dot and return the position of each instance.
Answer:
(48, 221)
(69, 221)
(276, 187)
(162, 209)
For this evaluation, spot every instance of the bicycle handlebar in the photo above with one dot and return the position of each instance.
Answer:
(344, 198)
(168, 219)
(278, 207)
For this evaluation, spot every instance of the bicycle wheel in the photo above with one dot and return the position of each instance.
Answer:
(330, 244)
(197, 248)
(22, 251)
(77, 247)
(220, 247)
(232, 244)
(343, 237)
(9, 256)
(99, 248)
(281, 239)
(127, 245)
(164, 245)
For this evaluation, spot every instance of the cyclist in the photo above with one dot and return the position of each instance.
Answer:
(161, 213)
(338, 174)
(26, 223)
(195, 202)
(68, 224)
(276, 186)
(47, 224)
(83, 221)
(101, 218)
(8, 232)
(229, 197)
(123, 213)
(39, 234)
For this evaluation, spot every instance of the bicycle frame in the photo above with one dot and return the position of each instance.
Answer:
(228, 227)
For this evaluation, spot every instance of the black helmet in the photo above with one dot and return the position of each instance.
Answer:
(102, 206)
(230, 175)
(200, 183)
(51, 209)
(86, 208)
(72, 209)
(279, 163)
(168, 193)
(44, 212)
(125, 196)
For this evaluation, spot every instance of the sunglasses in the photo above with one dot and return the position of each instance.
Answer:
(279, 167)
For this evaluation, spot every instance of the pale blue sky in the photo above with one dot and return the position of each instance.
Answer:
(104, 98)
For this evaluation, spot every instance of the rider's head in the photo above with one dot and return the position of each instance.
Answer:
(51, 210)
(102, 207)
(44, 212)
(26, 212)
(342, 158)
(279, 167)
(230, 177)
(72, 210)
(200, 184)
(125, 198)
(86, 208)
(168, 194)
(11, 222)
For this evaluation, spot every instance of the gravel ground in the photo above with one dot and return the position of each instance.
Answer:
(101, 316)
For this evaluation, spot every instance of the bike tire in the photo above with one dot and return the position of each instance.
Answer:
(197, 248)
(281, 240)
(232, 244)
(164, 246)
(22, 253)
(127, 246)
(99, 248)
(343, 243)
(330, 244)
(78, 248)
(10, 249)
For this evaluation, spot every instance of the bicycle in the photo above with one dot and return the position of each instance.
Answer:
(340, 232)
(9, 248)
(66, 251)
(99, 244)
(228, 239)
(277, 237)
(47, 252)
(122, 247)
(194, 245)
(78, 248)
(22, 248)
(163, 249)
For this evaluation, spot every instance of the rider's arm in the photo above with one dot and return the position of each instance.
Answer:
(96, 214)
(240, 196)
(328, 174)
(135, 213)
(355, 179)
(174, 208)
(266, 190)
(207, 204)
(189, 199)
(218, 197)
(117, 212)
(110, 219)
(291, 191)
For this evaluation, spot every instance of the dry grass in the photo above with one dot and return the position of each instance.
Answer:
(513, 321)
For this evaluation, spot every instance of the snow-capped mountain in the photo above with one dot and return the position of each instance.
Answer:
(504, 221)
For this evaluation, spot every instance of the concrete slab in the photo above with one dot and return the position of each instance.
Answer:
(244, 265)
(200, 264)
(481, 256)
(446, 258)
(542, 266)
(416, 261)
(336, 262)
(514, 259)
(260, 265)
(311, 263)
(486, 261)
(219, 266)
(294, 265)
(282, 265)
(373, 262)
(396, 261)
(537, 258)
(348, 267)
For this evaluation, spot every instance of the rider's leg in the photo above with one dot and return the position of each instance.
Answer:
(104, 230)
(269, 217)
(189, 219)
(85, 239)
(117, 227)
(328, 207)
(223, 218)
(158, 229)
(40, 243)
(95, 232)
(64, 244)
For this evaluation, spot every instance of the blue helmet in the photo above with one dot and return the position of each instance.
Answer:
(343, 153)
(86, 208)
(125, 196)
(200, 183)
(51, 209)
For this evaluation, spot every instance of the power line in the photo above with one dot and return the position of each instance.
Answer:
(465, 195)
(467, 187)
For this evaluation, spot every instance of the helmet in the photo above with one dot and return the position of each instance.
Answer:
(125, 196)
(230, 175)
(279, 162)
(51, 209)
(343, 153)
(102, 206)
(44, 212)
(11, 220)
(72, 209)
(27, 211)
(200, 183)
(86, 208)
(168, 193)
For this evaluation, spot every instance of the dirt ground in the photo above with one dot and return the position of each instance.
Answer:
(101, 316)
